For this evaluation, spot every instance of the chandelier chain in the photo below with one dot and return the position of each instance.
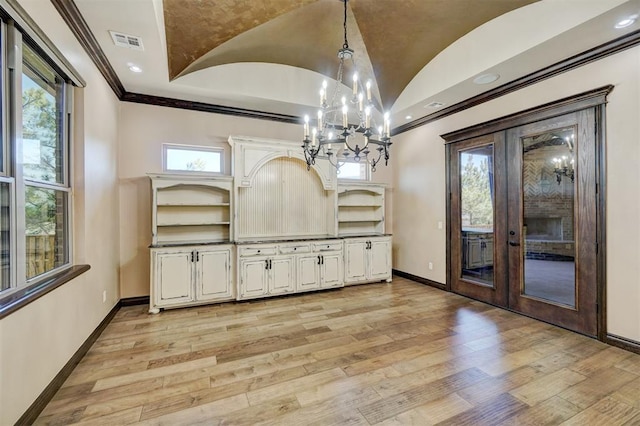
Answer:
(346, 42)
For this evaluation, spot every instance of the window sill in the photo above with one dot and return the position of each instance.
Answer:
(24, 296)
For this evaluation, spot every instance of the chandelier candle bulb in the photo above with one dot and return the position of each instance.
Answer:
(314, 131)
(360, 102)
(345, 116)
(355, 84)
(322, 96)
(320, 120)
(386, 124)
(367, 117)
(369, 90)
(306, 127)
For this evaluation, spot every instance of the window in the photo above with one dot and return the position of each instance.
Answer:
(354, 170)
(44, 153)
(35, 184)
(192, 159)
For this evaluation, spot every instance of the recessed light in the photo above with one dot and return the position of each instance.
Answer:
(623, 23)
(134, 68)
(486, 78)
(408, 117)
(434, 105)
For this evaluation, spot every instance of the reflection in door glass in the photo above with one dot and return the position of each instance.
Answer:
(476, 206)
(548, 193)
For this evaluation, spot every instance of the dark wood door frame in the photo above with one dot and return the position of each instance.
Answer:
(596, 99)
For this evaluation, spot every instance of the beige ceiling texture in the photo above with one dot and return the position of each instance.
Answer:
(393, 39)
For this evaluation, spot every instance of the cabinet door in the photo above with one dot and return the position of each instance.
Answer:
(173, 277)
(379, 259)
(253, 277)
(487, 252)
(331, 273)
(474, 253)
(355, 261)
(282, 279)
(308, 273)
(213, 274)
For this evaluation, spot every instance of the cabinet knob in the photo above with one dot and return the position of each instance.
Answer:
(258, 251)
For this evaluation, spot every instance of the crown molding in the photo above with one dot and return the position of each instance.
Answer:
(206, 107)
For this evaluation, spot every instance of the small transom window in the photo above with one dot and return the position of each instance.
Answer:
(354, 170)
(192, 159)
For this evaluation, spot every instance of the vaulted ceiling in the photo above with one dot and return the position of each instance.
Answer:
(272, 55)
(399, 37)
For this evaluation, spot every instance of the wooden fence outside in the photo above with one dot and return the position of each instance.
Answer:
(41, 254)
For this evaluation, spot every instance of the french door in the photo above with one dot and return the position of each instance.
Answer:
(523, 219)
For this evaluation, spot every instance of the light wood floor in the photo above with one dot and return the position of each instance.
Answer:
(402, 353)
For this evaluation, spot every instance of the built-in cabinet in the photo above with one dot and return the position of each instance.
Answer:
(477, 249)
(277, 226)
(183, 276)
(273, 269)
(367, 259)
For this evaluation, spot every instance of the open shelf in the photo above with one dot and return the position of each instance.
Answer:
(191, 211)
(361, 209)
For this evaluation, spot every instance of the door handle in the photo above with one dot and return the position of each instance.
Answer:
(266, 264)
(270, 264)
(512, 244)
(197, 256)
(192, 256)
(322, 260)
(318, 260)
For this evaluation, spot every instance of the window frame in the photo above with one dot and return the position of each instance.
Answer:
(167, 146)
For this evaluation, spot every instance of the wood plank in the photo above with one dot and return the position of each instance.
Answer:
(545, 387)
(596, 387)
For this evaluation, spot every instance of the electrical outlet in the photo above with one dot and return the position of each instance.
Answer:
(439, 225)
(430, 266)
(104, 296)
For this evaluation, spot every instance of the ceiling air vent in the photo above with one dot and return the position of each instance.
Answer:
(434, 105)
(126, 40)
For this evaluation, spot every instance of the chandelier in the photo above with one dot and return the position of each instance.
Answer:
(564, 166)
(335, 137)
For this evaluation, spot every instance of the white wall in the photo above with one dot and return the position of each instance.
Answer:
(419, 176)
(143, 130)
(38, 340)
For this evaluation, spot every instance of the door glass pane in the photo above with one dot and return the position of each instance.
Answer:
(477, 205)
(548, 222)
(42, 120)
(46, 230)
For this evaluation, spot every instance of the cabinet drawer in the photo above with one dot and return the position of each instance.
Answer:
(294, 248)
(328, 246)
(258, 251)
